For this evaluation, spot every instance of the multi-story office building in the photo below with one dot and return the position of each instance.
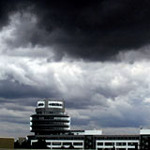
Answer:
(51, 126)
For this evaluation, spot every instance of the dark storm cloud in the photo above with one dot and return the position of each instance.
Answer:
(92, 30)
(8, 7)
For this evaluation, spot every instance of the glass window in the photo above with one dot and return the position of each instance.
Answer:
(109, 143)
(100, 143)
(120, 144)
(40, 104)
(66, 143)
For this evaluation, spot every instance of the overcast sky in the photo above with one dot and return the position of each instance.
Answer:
(93, 54)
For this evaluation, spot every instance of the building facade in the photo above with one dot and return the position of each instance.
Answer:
(51, 127)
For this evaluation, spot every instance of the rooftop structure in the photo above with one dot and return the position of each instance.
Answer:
(50, 118)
